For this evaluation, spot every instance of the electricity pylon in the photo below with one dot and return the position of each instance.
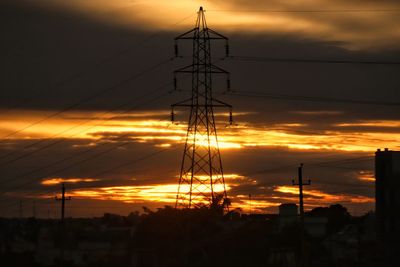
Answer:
(201, 180)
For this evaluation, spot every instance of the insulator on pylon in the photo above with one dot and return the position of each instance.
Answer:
(176, 49)
(172, 116)
(227, 50)
(175, 84)
(230, 117)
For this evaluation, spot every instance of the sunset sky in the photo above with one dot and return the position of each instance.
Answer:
(86, 87)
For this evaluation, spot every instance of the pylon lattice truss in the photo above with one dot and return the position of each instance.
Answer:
(201, 181)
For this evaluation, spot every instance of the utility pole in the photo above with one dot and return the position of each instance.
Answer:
(63, 198)
(300, 183)
(62, 230)
(201, 180)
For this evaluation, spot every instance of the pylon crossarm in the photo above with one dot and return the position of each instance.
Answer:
(60, 198)
(216, 38)
(218, 35)
(190, 105)
(187, 69)
(216, 69)
(184, 36)
(223, 104)
(182, 103)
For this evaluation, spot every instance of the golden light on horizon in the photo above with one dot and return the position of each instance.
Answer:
(56, 181)
(222, 143)
(161, 193)
(257, 204)
(366, 176)
(372, 123)
(165, 194)
(162, 133)
(323, 197)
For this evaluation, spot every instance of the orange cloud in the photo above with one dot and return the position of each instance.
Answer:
(165, 194)
(353, 30)
(162, 133)
(56, 181)
(366, 176)
(319, 197)
(160, 193)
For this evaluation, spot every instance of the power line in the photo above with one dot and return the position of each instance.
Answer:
(91, 68)
(271, 170)
(312, 98)
(308, 11)
(132, 162)
(316, 163)
(320, 99)
(84, 153)
(98, 154)
(71, 128)
(312, 163)
(91, 97)
(342, 161)
(147, 156)
(79, 154)
(62, 140)
(305, 60)
(319, 133)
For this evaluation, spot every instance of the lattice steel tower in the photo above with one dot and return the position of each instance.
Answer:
(201, 181)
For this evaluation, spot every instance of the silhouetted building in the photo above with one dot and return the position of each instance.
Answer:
(387, 194)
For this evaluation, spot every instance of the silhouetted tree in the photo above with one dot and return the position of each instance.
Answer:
(337, 216)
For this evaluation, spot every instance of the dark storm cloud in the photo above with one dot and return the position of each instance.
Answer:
(45, 47)
(52, 59)
(355, 30)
